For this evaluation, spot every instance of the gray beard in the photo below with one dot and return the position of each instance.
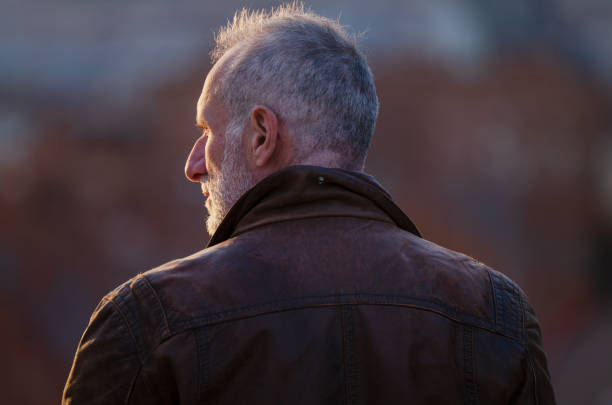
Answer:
(233, 180)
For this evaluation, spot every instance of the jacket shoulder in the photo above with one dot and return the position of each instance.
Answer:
(472, 288)
(210, 284)
(123, 331)
(510, 306)
(142, 312)
(202, 285)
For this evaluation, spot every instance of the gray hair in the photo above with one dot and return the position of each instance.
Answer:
(308, 70)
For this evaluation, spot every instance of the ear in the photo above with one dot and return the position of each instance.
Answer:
(264, 138)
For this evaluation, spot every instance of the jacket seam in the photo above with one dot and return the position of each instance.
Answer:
(523, 309)
(527, 351)
(474, 369)
(159, 302)
(205, 322)
(124, 303)
(508, 304)
(117, 308)
(494, 298)
(535, 380)
(127, 325)
(133, 385)
(499, 306)
(201, 337)
(250, 228)
(247, 312)
(340, 299)
(468, 365)
(351, 381)
(140, 374)
(342, 321)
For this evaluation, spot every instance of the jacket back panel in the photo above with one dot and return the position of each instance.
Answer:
(329, 310)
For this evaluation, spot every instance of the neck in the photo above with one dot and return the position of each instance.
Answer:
(326, 158)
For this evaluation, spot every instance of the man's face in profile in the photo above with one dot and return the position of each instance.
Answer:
(216, 160)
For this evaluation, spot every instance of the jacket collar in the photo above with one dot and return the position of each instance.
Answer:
(299, 192)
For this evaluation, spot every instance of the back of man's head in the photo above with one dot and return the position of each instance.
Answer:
(308, 70)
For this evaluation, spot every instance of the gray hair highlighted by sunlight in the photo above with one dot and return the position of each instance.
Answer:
(308, 70)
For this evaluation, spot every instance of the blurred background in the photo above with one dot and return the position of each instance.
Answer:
(494, 136)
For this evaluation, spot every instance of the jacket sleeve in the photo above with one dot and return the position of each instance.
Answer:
(537, 388)
(106, 362)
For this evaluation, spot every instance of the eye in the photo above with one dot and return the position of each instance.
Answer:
(204, 130)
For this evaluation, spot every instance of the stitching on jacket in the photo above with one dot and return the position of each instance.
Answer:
(514, 310)
(474, 370)
(335, 300)
(536, 400)
(528, 353)
(468, 365)
(159, 303)
(322, 301)
(126, 299)
(201, 336)
(523, 316)
(252, 227)
(339, 299)
(152, 333)
(344, 344)
(126, 321)
(499, 305)
(128, 396)
(508, 306)
(493, 301)
(129, 306)
(351, 366)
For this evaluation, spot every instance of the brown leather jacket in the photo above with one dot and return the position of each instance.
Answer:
(316, 289)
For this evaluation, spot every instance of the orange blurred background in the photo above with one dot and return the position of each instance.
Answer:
(494, 136)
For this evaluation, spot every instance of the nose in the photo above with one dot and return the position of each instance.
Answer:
(195, 167)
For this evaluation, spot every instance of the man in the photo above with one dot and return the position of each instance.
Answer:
(315, 287)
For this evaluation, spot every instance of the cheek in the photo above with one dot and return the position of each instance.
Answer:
(214, 154)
